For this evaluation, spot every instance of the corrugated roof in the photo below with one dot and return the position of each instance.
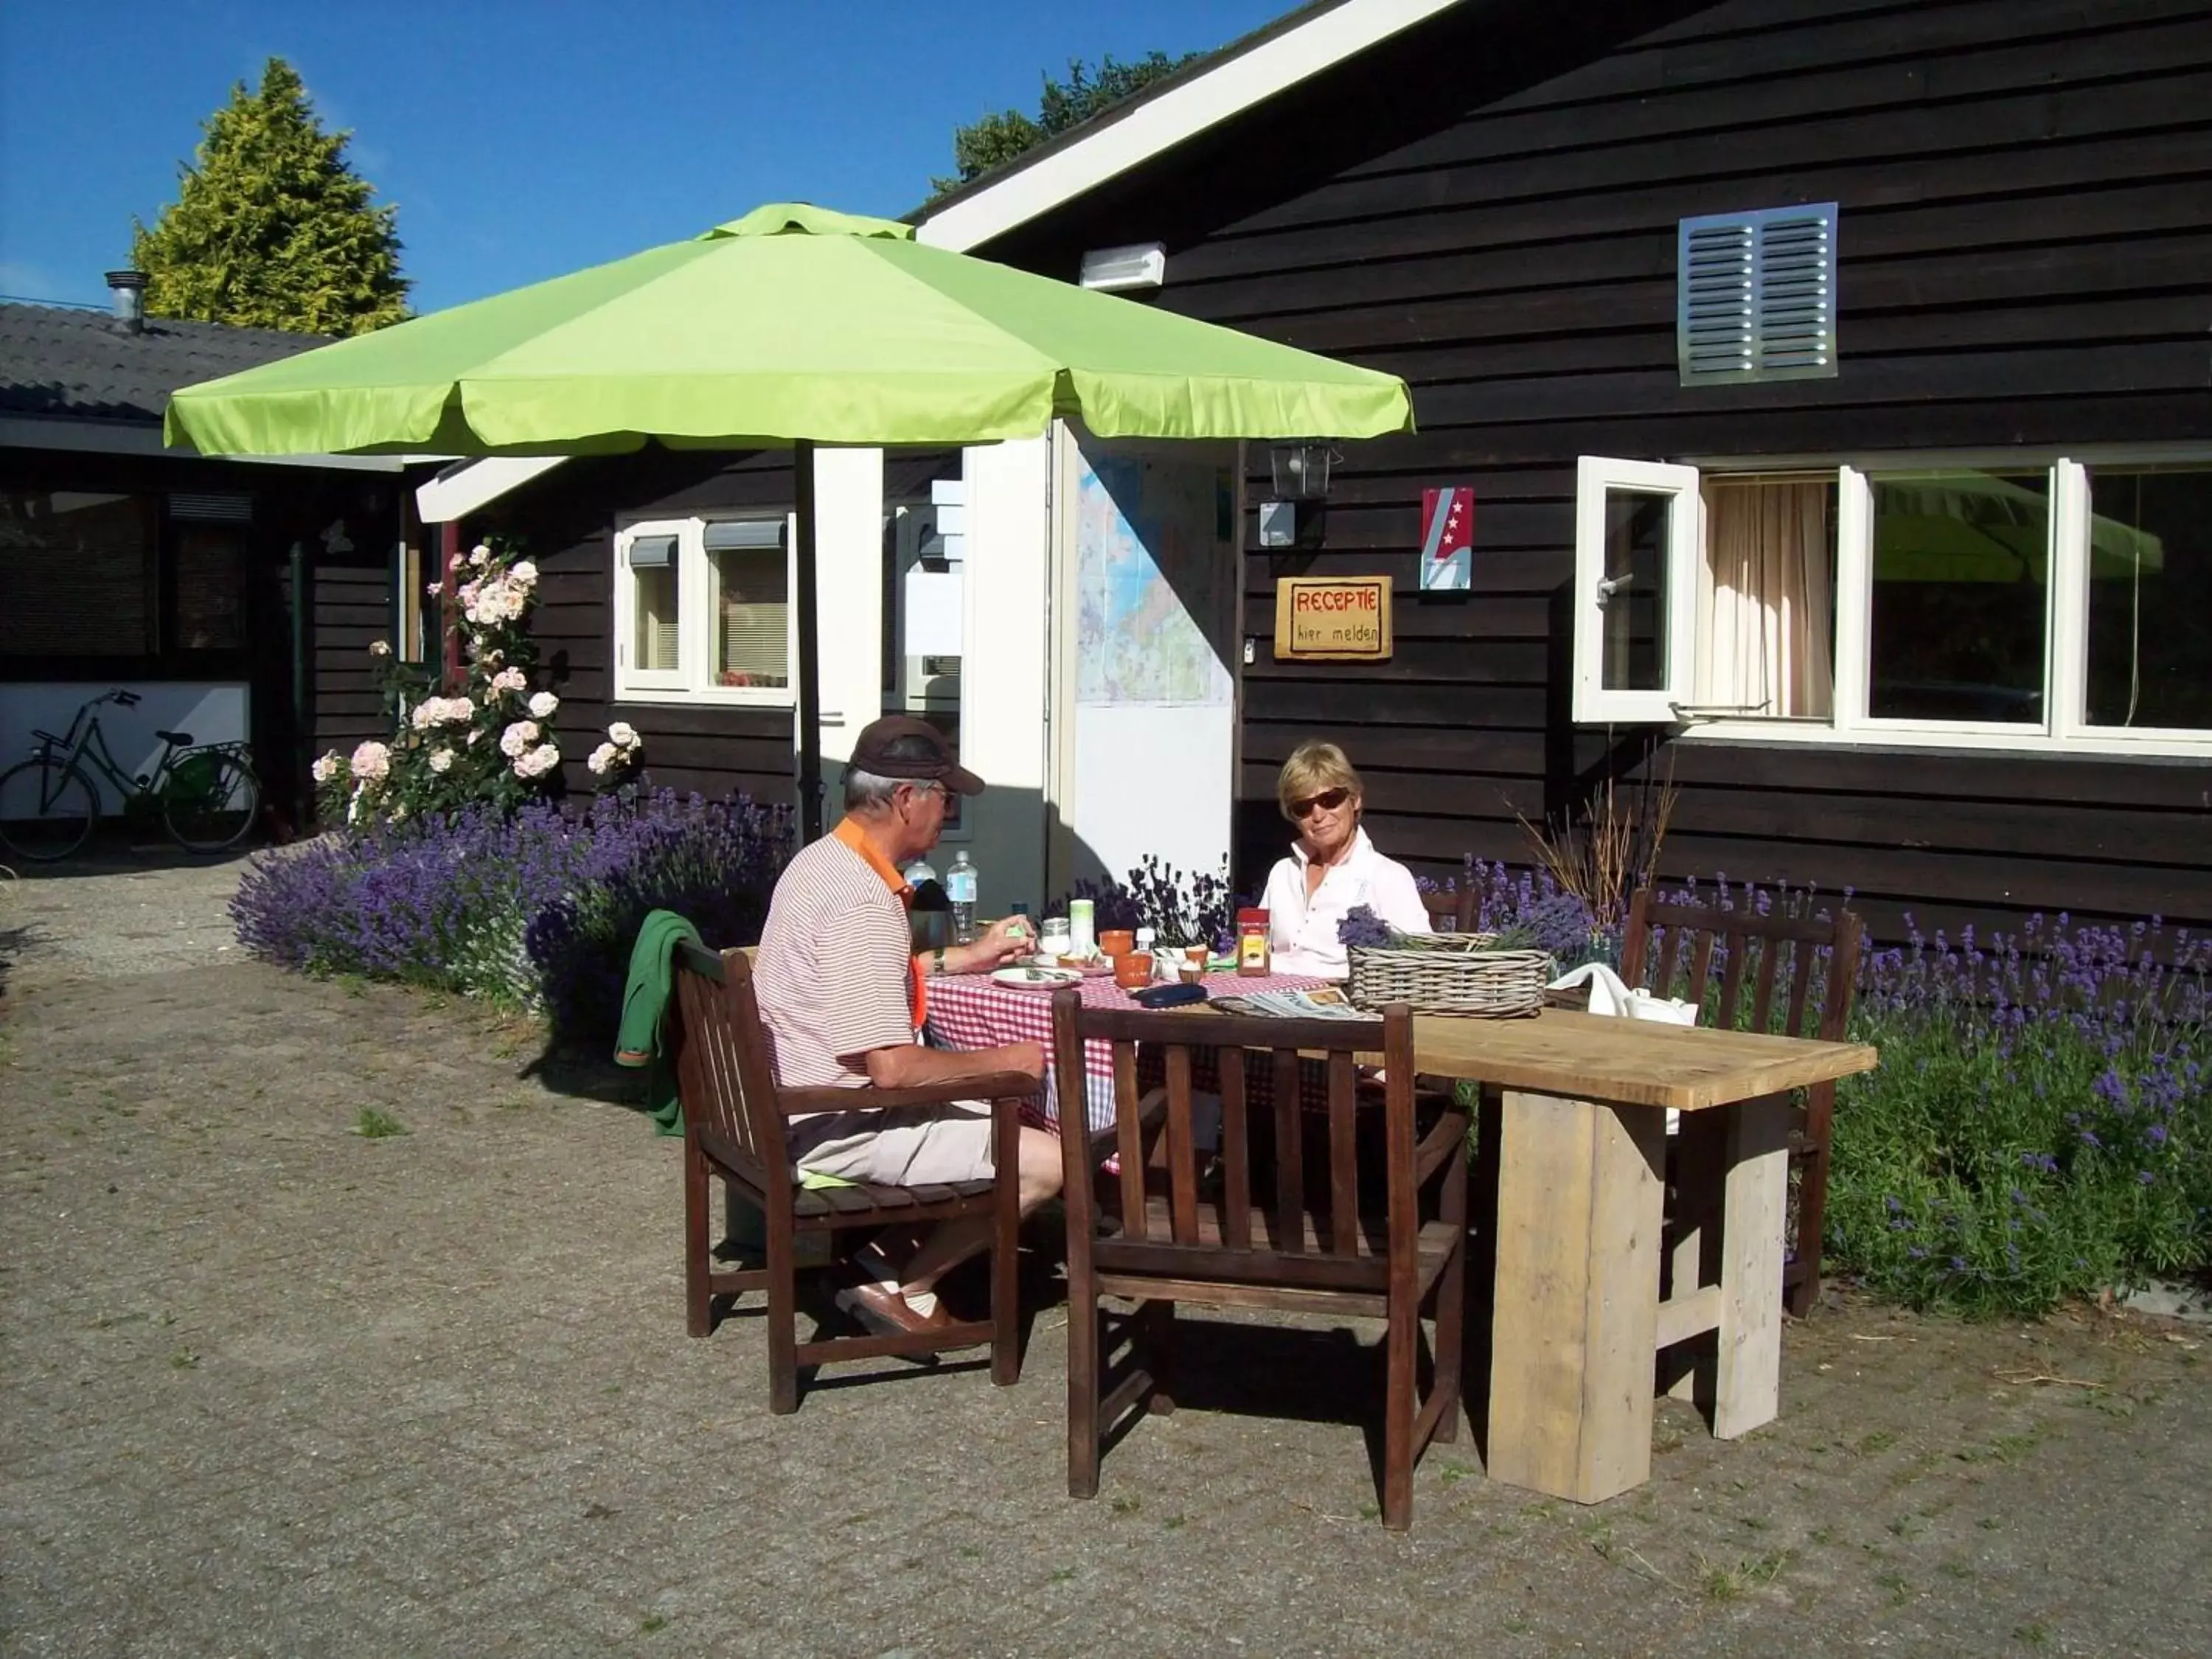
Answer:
(63, 361)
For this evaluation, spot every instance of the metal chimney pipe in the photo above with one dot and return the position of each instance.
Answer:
(129, 288)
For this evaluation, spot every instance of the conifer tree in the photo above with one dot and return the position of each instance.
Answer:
(271, 227)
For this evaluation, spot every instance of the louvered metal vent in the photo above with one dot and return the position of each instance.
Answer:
(187, 507)
(1757, 295)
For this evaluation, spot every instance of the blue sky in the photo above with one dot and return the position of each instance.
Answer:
(523, 138)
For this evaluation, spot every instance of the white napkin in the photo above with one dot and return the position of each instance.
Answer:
(1610, 994)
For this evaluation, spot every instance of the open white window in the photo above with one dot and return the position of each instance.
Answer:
(1993, 600)
(1637, 531)
(703, 610)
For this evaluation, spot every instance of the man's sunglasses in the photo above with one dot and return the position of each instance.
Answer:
(1328, 800)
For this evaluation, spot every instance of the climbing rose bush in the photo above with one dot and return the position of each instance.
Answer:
(489, 742)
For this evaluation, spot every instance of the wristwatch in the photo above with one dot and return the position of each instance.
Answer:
(937, 962)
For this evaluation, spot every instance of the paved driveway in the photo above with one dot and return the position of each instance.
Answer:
(272, 1387)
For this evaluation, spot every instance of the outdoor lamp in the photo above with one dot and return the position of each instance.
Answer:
(1300, 471)
(1115, 270)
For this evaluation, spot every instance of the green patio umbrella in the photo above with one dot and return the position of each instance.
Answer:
(793, 324)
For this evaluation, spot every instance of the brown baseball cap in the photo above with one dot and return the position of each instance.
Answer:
(900, 746)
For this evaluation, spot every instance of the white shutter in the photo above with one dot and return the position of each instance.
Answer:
(1758, 296)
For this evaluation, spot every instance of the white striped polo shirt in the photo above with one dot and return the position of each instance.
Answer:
(835, 969)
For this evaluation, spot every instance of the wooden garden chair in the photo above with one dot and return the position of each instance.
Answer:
(1452, 910)
(734, 1116)
(1305, 1248)
(1664, 939)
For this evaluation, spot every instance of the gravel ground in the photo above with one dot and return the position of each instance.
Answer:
(272, 1386)
(116, 914)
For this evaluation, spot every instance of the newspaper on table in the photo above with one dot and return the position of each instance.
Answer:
(1323, 1002)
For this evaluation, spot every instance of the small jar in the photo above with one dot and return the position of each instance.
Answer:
(1253, 959)
(1054, 939)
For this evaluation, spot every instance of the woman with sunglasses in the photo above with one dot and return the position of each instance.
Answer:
(1332, 868)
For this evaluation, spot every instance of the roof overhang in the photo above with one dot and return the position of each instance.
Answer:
(467, 487)
(144, 438)
(1233, 81)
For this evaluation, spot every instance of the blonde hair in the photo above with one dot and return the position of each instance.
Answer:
(1315, 765)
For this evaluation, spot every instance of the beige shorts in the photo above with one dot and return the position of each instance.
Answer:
(931, 1147)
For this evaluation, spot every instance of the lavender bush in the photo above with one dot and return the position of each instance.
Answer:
(535, 909)
(2041, 1125)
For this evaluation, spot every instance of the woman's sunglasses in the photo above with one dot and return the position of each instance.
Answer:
(1328, 800)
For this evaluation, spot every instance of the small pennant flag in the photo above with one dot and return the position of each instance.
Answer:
(1446, 538)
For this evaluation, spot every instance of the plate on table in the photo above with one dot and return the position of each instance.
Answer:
(1081, 969)
(1036, 979)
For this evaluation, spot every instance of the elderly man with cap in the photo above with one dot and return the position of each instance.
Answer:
(843, 995)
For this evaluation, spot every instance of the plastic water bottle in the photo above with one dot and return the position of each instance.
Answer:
(960, 888)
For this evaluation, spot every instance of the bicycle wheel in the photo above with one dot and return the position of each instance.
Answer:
(47, 808)
(209, 800)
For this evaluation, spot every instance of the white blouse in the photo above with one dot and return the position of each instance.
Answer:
(1302, 931)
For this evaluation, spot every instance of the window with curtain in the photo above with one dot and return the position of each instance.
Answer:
(1992, 600)
(751, 618)
(703, 610)
(76, 573)
(2150, 598)
(748, 599)
(1766, 613)
(657, 642)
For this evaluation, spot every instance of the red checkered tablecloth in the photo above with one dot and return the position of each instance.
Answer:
(967, 1011)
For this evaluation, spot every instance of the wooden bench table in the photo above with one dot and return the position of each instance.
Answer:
(1582, 1171)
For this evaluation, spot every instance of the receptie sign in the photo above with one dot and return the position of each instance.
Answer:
(1333, 619)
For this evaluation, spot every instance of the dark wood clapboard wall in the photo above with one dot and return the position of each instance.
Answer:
(1488, 207)
(566, 524)
(353, 597)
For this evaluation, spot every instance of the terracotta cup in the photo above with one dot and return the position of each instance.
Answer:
(1132, 970)
(1116, 942)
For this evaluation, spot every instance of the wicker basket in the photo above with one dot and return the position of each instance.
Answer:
(1465, 976)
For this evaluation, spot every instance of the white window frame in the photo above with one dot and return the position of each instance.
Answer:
(692, 685)
(1595, 703)
(2064, 728)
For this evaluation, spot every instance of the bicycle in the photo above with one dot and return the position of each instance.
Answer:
(208, 795)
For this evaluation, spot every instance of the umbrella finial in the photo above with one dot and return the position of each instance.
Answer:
(804, 219)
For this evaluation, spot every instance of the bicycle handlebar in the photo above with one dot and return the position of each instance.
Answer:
(121, 698)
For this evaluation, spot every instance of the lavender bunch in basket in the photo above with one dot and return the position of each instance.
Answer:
(1361, 925)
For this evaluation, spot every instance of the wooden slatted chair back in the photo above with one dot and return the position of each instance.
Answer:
(1792, 975)
(1180, 1222)
(725, 1071)
(1270, 1232)
(1452, 910)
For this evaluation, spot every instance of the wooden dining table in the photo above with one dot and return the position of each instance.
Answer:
(1583, 1168)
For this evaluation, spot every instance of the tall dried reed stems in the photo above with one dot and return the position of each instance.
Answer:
(1604, 852)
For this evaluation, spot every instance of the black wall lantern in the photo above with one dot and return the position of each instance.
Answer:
(1302, 471)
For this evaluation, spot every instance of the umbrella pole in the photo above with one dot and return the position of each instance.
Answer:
(810, 651)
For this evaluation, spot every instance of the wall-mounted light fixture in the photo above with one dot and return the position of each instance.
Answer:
(1136, 264)
(1302, 471)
